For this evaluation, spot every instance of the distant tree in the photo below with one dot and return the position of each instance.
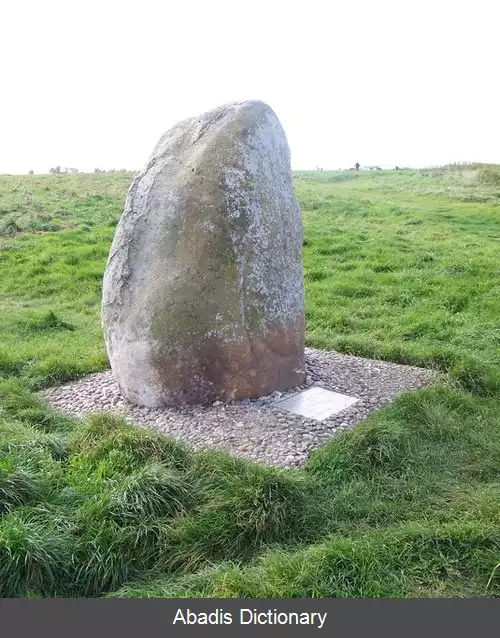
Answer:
(31, 172)
(97, 170)
(73, 171)
(55, 170)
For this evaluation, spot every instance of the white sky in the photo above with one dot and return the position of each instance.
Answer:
(95, 83)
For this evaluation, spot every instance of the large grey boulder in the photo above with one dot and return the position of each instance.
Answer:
(203, 295)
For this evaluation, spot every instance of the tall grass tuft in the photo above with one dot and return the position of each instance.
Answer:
(106, 435)
(244, 512)
(19, 403)
(18, 486)
(35, 553)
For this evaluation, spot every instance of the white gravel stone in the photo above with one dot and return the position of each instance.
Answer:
(255, 429)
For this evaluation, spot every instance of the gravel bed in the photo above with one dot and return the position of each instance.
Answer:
(256, 429)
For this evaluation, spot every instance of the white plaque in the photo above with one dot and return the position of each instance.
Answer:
(316, 403)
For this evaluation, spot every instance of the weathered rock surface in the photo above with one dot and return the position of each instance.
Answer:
(203, 295)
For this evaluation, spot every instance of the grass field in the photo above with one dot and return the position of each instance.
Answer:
(402, 266)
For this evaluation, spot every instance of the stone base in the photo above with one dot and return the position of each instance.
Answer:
(257, 429)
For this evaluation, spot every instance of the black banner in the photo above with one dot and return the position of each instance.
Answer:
(94, 618)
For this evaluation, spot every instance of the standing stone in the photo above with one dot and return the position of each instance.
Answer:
(203, 294)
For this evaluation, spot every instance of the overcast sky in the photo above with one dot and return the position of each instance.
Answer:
(95, 83)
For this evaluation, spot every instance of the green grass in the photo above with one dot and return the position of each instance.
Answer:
(399, 265)
(393, 275)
